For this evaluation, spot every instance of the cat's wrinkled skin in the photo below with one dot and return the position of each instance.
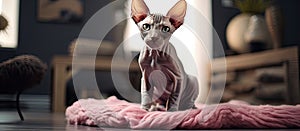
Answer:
(165, 85)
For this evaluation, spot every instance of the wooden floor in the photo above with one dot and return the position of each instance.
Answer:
(35, 121)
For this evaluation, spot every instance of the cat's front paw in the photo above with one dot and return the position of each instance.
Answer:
(145, 107)
(157, 107)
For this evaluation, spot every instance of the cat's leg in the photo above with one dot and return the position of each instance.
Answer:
(146, 90)
(151, 96)
(174, 99)
(157, 107)
(174, 102)
(146, 94)
(173, 72)
(190, 93)
(159, 82)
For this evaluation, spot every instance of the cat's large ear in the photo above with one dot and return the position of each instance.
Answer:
(177, 13)
(139, 10)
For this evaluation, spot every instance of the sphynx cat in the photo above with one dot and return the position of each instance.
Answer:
(165, 86)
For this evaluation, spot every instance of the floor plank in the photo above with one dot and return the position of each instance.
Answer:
(35, 121)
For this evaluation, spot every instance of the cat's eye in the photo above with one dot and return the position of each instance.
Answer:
(146, 27)
(165, 29)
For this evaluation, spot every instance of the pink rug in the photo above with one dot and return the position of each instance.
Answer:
(112, 112)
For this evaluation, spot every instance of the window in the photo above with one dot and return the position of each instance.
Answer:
(10, 10)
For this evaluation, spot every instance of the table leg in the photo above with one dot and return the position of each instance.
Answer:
(59, 87)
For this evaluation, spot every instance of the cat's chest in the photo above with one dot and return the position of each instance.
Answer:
(158, 60)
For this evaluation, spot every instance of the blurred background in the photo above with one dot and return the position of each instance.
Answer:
(260, 46)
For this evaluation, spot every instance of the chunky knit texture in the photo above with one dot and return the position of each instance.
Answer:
(112, 112)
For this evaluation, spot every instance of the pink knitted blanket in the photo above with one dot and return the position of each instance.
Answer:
(112, 112)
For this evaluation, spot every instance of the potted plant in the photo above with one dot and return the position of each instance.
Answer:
(3, 24)
(247, 31)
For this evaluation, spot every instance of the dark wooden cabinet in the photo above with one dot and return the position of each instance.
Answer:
(284, 61)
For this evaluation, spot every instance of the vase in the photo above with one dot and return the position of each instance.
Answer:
(248, 33)
(257, 36)
(235, 31)
(274, 20)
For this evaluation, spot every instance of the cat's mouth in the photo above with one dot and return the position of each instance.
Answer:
(154, 44)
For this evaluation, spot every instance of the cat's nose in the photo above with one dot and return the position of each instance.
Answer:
(154, 38)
